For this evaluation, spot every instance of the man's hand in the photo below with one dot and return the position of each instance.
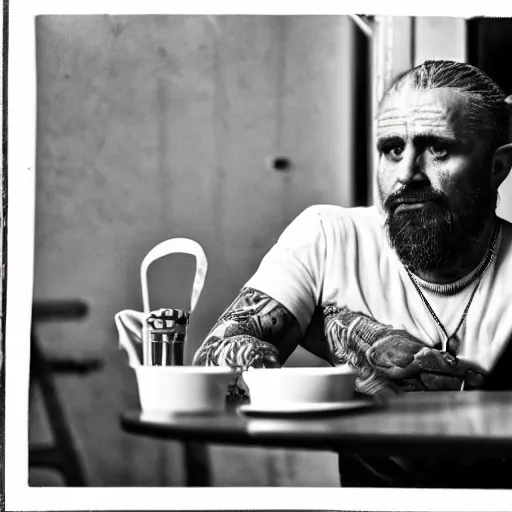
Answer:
(241, 352)
(427, 369)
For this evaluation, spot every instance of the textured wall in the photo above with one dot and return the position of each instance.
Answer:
(163, 126)
(439, 37)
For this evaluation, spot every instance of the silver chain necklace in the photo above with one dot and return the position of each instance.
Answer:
(477, 277)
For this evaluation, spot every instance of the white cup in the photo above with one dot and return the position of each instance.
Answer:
(176, 389)
(274, 387)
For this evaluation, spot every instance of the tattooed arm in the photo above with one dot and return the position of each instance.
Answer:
(254, 331)
(389, 359)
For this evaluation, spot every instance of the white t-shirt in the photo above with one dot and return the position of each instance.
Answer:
(341, 256)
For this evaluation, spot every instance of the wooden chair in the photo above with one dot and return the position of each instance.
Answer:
(61, 455)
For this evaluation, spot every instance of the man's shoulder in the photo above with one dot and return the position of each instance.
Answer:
(324, 223)
(328, 213)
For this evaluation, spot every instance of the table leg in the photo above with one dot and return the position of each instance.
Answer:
(197, 465)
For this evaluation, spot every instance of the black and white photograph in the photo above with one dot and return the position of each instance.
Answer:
(259, 252)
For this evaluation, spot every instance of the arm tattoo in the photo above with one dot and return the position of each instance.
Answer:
(390, 359)
(254, 331)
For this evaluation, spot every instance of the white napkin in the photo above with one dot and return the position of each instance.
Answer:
(129, 325)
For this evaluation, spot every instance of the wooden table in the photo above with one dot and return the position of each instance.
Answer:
(423, 424)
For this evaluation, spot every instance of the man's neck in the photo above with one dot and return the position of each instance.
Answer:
(466, 263)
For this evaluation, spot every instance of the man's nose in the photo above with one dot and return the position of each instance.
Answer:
(410, 167)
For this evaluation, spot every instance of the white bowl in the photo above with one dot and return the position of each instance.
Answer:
(171, 389)
(286, 386)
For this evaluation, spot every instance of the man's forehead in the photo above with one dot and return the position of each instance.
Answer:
(433, 109)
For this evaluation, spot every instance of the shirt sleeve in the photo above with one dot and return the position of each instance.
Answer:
(292, 271)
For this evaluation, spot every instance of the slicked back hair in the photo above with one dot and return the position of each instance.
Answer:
(486, 111)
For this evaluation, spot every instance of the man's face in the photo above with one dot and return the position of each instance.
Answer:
(433, 177)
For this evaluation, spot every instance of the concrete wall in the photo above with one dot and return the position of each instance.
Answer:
(439, 37)
(164, 126)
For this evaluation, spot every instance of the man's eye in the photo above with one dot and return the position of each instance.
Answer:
(439, 151)
(394, 153)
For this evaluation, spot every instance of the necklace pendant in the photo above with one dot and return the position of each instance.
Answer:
(452, 345)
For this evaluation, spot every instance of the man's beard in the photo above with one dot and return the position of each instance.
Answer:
(438, 234)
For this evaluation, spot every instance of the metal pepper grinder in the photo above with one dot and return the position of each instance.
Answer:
(167, 331)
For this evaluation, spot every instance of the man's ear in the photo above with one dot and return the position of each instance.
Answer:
(501, 164)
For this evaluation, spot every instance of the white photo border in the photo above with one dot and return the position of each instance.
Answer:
(21, 205)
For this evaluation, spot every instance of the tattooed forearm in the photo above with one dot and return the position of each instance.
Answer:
(258, 315)
(389, 359)
(255, 330)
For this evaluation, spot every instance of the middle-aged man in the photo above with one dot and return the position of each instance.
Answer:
(415, 292)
